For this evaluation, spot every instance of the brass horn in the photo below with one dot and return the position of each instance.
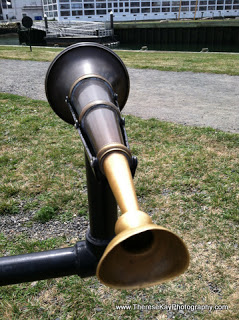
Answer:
(141, 254)
(87, 85)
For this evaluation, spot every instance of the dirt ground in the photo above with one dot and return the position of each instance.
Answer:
(197, 99)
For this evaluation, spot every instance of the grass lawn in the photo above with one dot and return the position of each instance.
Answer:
(187, 180)
(166, 61)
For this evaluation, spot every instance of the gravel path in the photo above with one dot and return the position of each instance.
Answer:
(23, 223)
(198, 99)
(186, 98)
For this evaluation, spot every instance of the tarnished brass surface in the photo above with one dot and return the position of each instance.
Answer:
(141, 254)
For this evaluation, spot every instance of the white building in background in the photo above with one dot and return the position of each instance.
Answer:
(15, 10)
(123, 10)
(126, 10)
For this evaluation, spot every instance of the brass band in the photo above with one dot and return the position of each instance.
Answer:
(88, 76)
(113, 147)
(96, 104)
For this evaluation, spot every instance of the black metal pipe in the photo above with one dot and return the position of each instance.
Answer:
(112, 23)
(47, 264)
(102, 205)
(46, 22)
(81, 260)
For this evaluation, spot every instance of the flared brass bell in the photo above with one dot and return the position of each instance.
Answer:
(141, 254)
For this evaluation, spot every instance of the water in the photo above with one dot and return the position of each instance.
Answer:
(9, 39)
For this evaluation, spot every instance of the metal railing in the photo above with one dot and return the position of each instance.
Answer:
(73, 29)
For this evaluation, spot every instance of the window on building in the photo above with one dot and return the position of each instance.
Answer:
(76, 6)
(157, 4)
(145, 4)
(101, 11)
(155, 9)
(77, 12)
(65, 13)
(166, 9)
(134, 4)
(89, 12)
(64, 6)
(145, 10)
(134, 10)
(89, 5)
(100, 5)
